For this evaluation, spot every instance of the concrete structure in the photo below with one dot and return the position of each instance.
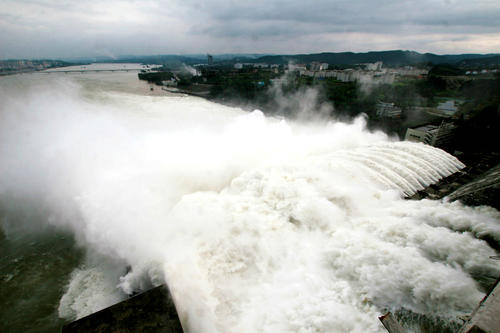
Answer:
(391, 324)
(388, 110)
(423, 134)
(477, 185)
(482, 190)
(437, 136)
(486, 317)
(210, 59)
(151, 311)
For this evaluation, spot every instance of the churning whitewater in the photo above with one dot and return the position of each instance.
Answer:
(257, 224)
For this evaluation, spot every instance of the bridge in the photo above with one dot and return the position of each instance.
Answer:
(93, 70)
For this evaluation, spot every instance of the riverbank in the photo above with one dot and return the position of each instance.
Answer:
(201, 92)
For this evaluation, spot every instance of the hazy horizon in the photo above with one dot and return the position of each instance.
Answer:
(225, 55)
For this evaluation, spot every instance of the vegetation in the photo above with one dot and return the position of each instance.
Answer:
(479, 118)
(445, 70)
(156, 77)
(273, 92)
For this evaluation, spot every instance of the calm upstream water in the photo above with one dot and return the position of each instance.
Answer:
(257, 224)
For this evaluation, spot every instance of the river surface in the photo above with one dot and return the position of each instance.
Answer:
(257, 224)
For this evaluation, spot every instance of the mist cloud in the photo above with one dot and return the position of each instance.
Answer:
(251, 220)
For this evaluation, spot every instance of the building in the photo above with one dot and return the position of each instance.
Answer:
(434, 135)
(318, 66)
(297, 67)
(238, 65)
(375, 66)
(315, 66)
(210, 59)
(388, 110)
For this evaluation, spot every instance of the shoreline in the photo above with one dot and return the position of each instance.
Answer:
(246, 107)
(185, 92)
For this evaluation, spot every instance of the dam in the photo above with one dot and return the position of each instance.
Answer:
(257, 224)
(154, 310)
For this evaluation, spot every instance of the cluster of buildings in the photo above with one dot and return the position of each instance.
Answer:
(274, 67)
(351, 75)
(372, 74)
(482, 72)
(19, 65)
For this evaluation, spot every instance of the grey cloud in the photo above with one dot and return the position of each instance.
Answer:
(335, 16)
(64, 28)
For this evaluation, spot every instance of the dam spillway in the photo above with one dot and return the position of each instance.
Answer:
(257, 224)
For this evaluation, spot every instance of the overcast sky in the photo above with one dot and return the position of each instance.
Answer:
(65, 28)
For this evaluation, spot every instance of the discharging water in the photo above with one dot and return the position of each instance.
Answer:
(256, 224)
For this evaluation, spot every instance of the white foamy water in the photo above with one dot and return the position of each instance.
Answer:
(256, 224)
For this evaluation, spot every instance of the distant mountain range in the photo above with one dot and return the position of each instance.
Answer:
(189, 59)
(484, 61)
(389, 58)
